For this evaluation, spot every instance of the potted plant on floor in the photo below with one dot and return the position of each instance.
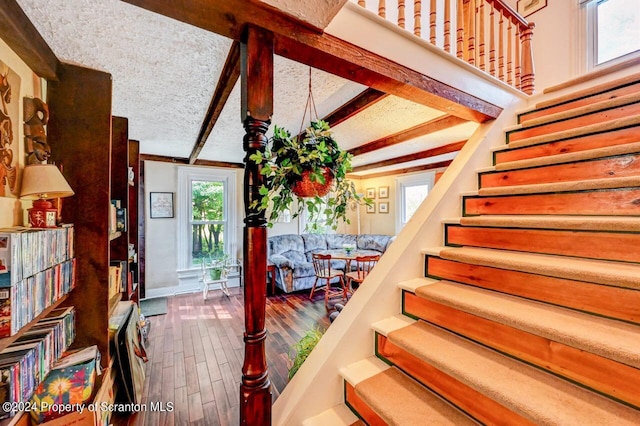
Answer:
(306, 168)
(302, 349)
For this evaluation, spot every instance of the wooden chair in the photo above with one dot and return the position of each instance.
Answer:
(364, 265)
(322, 267)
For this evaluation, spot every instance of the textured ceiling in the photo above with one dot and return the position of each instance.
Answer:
(165, 71)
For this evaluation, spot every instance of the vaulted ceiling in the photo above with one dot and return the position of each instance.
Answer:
(165, 74)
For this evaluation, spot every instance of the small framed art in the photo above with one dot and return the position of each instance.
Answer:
(371, 208)
(161, 205)
(528, 7)
(383, 192)
(383, 207)
(371, 193)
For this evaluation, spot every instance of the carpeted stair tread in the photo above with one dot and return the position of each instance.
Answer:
(581, 185)
(525, 390)
(580, 131)
(411, 285)
(608, 338)
(589, 91)
(583, 110)
(618, 274)
(400, 400)
(583, 223)
(590, 154)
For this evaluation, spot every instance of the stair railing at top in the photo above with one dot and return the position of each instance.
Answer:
(506, 46)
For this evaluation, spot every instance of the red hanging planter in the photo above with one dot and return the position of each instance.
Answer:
(306, 188)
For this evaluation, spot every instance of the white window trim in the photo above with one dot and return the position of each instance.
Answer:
(186, 175)
(589, 38)
(410, 180)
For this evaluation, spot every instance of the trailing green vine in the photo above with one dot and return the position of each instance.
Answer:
(283, 164)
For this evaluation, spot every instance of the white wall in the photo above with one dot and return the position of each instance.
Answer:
(161, 234)
(556, 43)
(12, 210)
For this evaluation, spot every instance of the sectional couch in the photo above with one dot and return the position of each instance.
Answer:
(291, 255)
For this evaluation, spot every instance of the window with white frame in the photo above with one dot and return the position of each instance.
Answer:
(613, 30)
(206, 215)
(410, 193)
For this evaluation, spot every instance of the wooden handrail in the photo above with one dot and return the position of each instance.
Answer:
(507, 42)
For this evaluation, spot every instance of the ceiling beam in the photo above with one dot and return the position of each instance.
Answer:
(404, 170)
(184, 160)
(226, 82)
(23, 38)
(297, 42)
(440, 150)
(435, 125)
(364, 100)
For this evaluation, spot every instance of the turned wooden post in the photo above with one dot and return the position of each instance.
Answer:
(471, 39)
(509, 54)
(401, 18)
(382, 9)
(460, 29)
(517, 82)
(528, 71)
(417, 17)
(481, 41)
(492, 42)
(501, 48)
(447, 26)
(432, 22)
(257, 108)
(361, 3)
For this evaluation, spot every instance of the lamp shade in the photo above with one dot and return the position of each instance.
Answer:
(44, 181)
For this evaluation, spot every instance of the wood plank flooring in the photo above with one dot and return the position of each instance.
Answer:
(196, 352)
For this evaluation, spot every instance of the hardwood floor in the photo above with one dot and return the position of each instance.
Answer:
(196, 352)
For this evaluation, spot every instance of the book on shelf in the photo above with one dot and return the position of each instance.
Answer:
(26, 362)
(32, 295)
(39, 270)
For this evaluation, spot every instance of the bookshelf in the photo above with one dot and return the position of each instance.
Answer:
(135, 227)
(80, 135)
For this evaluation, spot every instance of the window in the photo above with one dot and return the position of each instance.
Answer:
(613, 30)
(208, 223)
(206, 215)
(410, 193)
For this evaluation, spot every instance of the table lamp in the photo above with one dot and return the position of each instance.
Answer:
(40, 182)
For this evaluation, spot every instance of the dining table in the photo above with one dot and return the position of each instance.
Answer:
(348, 256)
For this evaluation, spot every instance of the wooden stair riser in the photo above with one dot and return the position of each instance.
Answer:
(601, 168)
(581, 143)
(473, 402)
(609, 377)
(613, 302)
(590, 244)
(575, 122)
(588, 100)
(360, 408)
(618, 202)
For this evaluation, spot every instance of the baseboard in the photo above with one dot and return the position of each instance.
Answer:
(151, 293)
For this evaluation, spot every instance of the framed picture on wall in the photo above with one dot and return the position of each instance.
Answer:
(371, 208)
(528, 7)
(383, 192)
(161, 205)
(371, 193)
(383, 207)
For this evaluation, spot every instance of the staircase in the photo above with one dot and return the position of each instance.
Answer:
(530, 313)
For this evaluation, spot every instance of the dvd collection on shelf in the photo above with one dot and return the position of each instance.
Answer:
(27, 361)
(37, 268)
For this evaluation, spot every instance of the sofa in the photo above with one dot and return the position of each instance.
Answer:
(291, 254)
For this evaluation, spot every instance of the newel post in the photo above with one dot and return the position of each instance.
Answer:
(528, 70)
(257, 108)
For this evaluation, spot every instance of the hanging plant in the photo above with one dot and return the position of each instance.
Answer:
(306, 169)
